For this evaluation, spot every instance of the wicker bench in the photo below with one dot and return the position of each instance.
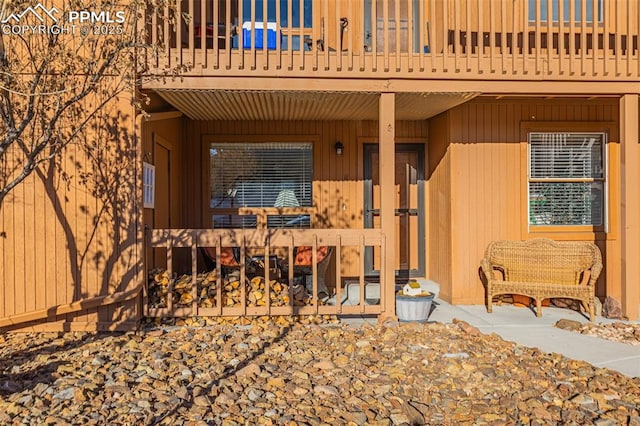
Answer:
(542, 269)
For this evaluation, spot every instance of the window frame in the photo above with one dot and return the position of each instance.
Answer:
(611, 159)
(262, 213)
(148, 185)
(530, 179)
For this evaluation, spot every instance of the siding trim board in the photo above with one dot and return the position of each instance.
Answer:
(630, 206)
(526, 86)
(18, 320)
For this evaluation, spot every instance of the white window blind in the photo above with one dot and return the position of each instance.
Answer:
(259, 175)
(566, 178)
(148, 185)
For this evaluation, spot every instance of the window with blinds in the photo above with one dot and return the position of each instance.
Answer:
(258, 175)
(566, 178)
(567, 7)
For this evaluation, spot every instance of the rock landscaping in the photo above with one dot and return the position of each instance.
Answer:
(281, 371)
(623, 332)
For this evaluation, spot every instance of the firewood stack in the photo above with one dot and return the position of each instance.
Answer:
(158, 288)
(207, 289)
(182, 291)
(256, 292)
(278, 293)
(231, 291)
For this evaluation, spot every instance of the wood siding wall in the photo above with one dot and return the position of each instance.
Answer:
(439, 201)
(338, 180)
(488, 182)
(158, 137)
(70, 238)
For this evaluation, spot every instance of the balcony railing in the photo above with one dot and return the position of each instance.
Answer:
(496, 39)
(245, 288)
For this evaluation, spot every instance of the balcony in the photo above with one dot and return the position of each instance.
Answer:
(586, 40)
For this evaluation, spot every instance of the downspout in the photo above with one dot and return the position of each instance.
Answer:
(139, 217)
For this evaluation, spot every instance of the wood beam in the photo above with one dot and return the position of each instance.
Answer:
(158, 116)
(495, 87)
(69, 308)
(386, 164)
(630, 206)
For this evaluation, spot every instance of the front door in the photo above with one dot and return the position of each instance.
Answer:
(409, 208)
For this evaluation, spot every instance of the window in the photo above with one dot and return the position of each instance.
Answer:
(396, 38)
(566, 5)
(258, 5)
(297, 18)
(259, 175)
(566, 178)
(148, 185)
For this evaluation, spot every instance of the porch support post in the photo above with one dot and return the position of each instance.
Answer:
(630, 204)
(387, 161)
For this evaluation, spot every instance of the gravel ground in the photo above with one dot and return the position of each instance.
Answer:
(284, 372)
(622, 332)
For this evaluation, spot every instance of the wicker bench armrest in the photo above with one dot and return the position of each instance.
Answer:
(596, 268)
(586, 278)
(487, 269)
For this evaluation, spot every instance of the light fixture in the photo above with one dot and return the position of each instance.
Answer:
(339, 147)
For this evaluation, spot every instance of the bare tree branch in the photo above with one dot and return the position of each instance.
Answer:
(53, 86)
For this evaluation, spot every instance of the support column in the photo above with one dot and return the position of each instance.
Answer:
(387, 164)
(630, 204)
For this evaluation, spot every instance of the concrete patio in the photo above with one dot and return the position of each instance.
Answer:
(520, 325)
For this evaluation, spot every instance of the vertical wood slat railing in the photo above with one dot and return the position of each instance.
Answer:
(264, 242)
(574, 39)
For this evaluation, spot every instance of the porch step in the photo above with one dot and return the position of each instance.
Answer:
(351, 293)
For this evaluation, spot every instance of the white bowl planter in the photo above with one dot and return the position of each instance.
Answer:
(414, 308)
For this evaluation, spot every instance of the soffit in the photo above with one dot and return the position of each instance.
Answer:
(289, 105)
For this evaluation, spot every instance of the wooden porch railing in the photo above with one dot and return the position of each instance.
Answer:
(499, 39)
(266, 243)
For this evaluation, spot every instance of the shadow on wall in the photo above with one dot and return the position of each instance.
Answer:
(99, 222)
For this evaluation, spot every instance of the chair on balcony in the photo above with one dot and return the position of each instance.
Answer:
(229, 262)
(229, 258)
(303, 266)
(225, 38)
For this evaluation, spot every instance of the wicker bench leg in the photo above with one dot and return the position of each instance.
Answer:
(538, 307)
(489, 302)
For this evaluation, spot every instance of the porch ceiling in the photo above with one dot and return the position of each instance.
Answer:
(289, 105)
